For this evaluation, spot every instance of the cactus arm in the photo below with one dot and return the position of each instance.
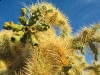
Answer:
(23, 11)
(22, 20)
(12, 26)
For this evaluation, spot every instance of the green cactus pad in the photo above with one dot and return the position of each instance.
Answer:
(37, 12)
(17, 27)
(15, 38)
(33, 40)
(33, 20)
(25, 31)
(83, 52)
(23, 11)
(42, 26)
(8, 25)
(34, 17)
(22, 20)
(12, 26)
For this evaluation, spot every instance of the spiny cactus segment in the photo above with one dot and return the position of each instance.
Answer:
(42, 26)
(12, 26)
(94, 50)
(78, 46)
(87, 36)
(35, 17)
(23, 11)
(22, 20)
(25, 31)
(66, 69)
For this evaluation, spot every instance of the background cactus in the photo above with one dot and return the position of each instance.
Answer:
(33, 47)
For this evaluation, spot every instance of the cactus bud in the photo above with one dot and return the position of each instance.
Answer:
(32, 21)
(32, 29)
(33, 40)
(8, 25)
(83, 52)
(20, 33)
(15, 38)
(45, 26)
(17, 27)
(5, 26)
(42, 26)
(34, 17)
(22, 20)
(39, 27)
(37, 12)
(11, 25)
(23, 11)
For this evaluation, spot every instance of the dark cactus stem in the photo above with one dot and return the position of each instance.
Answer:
(94, 50)
(66, 69)
(24, 38)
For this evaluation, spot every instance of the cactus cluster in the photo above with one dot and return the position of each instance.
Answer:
(88, 38)
(25, 31)
(34, 34)
(32, 47)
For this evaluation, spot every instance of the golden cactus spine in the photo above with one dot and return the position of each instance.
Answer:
(36, 31)
(33, 48)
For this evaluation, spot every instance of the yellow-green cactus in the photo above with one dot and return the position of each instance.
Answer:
(17, 36)
(22, 20)
(12, 26)
(23, 11)
(33, 48)
(94, 50)
(42, 26)
(33, 40)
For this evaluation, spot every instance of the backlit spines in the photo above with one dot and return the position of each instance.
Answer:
(33, 47)
(88, 36)
(5, 42)
(28, 31)
(51, 56)
(93, 70)
(52, 16)
(12, 54)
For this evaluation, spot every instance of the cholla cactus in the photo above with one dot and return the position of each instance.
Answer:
(33, 48)
(95, 69)
(88, 36)
(35, 39)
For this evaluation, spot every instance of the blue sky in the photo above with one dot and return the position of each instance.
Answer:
(79, 12)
